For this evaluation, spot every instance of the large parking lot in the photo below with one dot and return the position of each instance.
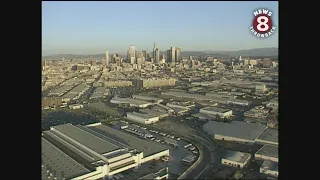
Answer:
(174, 144)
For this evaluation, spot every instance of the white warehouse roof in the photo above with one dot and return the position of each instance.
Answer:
(237, 129)
(237, 156)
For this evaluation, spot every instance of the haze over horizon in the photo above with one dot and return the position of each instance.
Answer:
(93, 27)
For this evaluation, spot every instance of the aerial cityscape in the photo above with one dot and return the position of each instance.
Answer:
(126, 99)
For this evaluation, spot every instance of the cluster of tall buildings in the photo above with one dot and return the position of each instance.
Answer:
(139, 57)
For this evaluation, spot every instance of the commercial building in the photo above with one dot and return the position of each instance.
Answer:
(268, 136)
(266, 62)
(132, 54)
(117, 83)
(107, 59)
(236, 159)
(141, 118)
(131, 102)
(217, 111)
(267, 152)
(237, 131)
(269, 168)
(173, 54)
(154, 82)
(93, 152)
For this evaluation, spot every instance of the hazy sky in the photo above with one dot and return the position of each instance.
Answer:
(93, 27)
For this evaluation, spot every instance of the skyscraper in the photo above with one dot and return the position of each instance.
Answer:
(107, 59)
(173, 54)
(178, 57)
(154, 51)
(131, 52)
(168, 59)
(144, 54)
(157, 57)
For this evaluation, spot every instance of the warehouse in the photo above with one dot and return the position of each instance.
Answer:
(237, 131)
(98, 93)
(94, 151)
(61, 90)
(217, 111)
(267, 152)
(220, 95)
(268, 136)
(155, 111)
(131, 102)
(269, 168)
(142, 118)
(147, 98)
(181, 105)
(236, 159)
(206, 98)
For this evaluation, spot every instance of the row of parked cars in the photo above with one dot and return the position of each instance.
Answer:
(138, 131)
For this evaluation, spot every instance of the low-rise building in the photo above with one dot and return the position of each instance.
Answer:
(217, 111)
(131, 102)
(267, 152)
(268, 136)
(269, 168)
(117, 83)
(236, 159)
(257, 112)
(93, 152)
(76, 106)
(236, 131)
(142, 118)
(147, 98)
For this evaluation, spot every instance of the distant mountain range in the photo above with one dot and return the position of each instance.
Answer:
(259, 52)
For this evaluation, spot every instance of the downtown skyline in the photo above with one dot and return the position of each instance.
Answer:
(93, 27)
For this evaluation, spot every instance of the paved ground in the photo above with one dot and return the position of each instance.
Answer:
(176, 153)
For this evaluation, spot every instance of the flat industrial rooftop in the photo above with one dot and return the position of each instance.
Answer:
(147, 147)
(141, 115)
(270, 165)
(238, 129)
(58, 162)
(237, 156)
(89, 140)
(216, 109)
(130, 100)
(268, 150)
(269, 135)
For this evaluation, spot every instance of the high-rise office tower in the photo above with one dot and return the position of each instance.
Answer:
(168, 59)
(178, 57)
(154, 51)
(173, 54)
(144, 54)
(131, 52)
(139, 54)
(157, 58)
(107, 59)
